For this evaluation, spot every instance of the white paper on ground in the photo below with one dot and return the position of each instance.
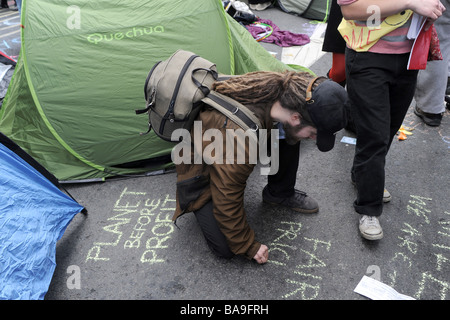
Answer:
(309, 53)
(376, 290)
(3, 69)
(348, 140)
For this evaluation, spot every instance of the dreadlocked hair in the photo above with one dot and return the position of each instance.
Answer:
(289, 88)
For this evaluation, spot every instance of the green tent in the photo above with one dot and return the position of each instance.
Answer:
(309, 9)
(81, 72)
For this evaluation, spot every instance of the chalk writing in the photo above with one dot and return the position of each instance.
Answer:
(441, 260)
(308, 284)
(427, 277)
(279, 245)
(137, 223)
(446, 139)
(9, 26)
(417, 206)
(302, 279)
(411, 242)
(7, 45)
(407, 241)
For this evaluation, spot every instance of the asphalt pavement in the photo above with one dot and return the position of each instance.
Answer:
(126, 247)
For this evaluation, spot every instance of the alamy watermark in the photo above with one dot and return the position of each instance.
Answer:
(374, 20)
(234, 146)
(74, 19)
(74, 280)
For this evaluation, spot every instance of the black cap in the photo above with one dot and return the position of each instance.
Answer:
(327, 109)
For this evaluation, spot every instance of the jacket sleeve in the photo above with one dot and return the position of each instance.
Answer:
(228, 182)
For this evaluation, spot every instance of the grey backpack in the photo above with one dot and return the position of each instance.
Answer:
(176, 89)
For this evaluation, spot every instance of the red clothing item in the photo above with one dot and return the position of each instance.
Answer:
(337, 71)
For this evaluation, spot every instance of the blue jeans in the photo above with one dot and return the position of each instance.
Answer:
(380, 90)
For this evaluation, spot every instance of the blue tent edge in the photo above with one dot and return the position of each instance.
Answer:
(30, 227)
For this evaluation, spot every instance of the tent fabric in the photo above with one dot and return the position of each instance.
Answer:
(5, 59)
(81, 72)
(7, 65)
(34, 214)
(309, 9)
(6, 73)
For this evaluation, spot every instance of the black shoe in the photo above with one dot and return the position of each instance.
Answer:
(299, 202)
(431, 119)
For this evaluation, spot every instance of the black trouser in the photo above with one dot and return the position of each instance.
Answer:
(280, 184)
(380, 89)
(211, 231)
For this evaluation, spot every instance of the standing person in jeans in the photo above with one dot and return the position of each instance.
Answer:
(432, 82)
(380, 90)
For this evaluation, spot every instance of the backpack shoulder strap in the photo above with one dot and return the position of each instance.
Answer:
(310, 85)
(234, 110)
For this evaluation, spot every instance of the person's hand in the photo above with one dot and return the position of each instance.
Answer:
(262, 255)
(431, 9)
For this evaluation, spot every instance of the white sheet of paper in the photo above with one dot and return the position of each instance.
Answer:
(376, 290)
(307, 54)
(417, 22)
(348, 140)
(3, 69)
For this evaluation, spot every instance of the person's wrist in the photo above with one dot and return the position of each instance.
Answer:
(410, 4)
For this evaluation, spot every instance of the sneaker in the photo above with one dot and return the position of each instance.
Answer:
(386, 196)
(299, 202)
(431, 119)
(370, 228)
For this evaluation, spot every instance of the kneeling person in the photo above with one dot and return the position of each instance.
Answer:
(306, 107)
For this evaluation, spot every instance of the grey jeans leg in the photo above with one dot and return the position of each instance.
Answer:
(432, 82)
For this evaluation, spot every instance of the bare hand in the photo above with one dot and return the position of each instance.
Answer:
(262, 255)
(431, 9)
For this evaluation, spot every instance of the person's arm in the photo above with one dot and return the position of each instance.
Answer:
(228, 183)
(358, 10)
